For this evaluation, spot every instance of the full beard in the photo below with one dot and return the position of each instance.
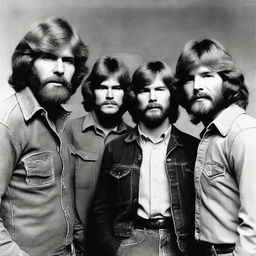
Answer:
(153, 120)
(50, 96)
(200, 111)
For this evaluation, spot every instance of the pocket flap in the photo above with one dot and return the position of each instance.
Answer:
(86, 155)
(119, 173)
(214, 170)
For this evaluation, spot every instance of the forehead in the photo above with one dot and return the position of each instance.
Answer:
(110, 81)
(201, 69)
(157, 82)
(65, 51)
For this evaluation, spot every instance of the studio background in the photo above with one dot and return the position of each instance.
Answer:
(139, 31)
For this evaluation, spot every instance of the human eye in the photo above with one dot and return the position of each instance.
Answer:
(143, 90)
(48, 56)
(117, 87)
(207, 75)
(69, 60)
(161, 89)
(101, 87)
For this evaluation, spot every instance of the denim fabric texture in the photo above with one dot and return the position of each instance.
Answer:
(36, 184)
(225, 182)
(116, 199)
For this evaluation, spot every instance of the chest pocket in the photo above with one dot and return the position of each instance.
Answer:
(39, 169)
(213, 171)
(122, 183)
(85, 171)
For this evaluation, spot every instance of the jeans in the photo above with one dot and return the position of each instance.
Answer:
(157, 242)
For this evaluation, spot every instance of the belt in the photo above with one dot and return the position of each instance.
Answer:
(206, 247)
(160, 223)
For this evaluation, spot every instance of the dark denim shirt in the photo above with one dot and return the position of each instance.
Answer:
(36, 180)
(116, 200)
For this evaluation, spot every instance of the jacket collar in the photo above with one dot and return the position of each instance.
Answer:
(225, 119)
(90, 122)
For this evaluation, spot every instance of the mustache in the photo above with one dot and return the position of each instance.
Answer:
(198, 96)
(109, 102)
(153, 105)
(59, 80)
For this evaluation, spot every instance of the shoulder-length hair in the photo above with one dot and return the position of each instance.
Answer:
(213, 55)
(47, 36)
(145, 75)
(104, 68)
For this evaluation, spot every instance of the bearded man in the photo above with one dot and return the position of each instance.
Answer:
(144, 202)
(36, 168)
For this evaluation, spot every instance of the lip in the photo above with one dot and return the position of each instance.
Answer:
(56, 83)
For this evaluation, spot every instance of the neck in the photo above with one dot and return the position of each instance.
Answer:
(155, 132)
(209, 118)
(106, 123)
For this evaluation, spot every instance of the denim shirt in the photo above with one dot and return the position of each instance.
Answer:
(225, 178)
(88, 143)
(116, 200)
(36, 180)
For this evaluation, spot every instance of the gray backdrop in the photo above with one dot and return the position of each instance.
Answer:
(139, 31)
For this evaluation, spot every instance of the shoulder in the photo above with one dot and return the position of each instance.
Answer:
(184, 138)
(10, 112)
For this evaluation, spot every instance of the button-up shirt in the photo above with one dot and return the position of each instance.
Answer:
(225, 180)
(36, 180)
(154, 195)
(88, 142)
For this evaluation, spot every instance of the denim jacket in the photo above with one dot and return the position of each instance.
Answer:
(116, 200)
(36, 180)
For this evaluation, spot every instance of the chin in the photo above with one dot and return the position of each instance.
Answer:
(56, 97)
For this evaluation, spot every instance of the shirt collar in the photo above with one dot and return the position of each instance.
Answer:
(28, 103)
(90, 122)
(164, 137)
(225, 119)
(30, 106)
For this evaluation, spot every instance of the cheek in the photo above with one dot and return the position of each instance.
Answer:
(69, 73)
(99, 96)
(119, 96)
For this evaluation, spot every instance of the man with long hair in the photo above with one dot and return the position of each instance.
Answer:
(213, 91)
(144, 200)
(36, 167)
(104, 100)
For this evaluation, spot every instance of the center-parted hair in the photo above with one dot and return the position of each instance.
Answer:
(213, 55)
(103, 69)
(145, 75)
(47, 36)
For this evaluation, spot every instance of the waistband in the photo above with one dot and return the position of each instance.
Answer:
(206, 248)
(160, 223)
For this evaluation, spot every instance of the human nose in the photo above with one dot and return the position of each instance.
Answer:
(58, 67)
(109, 94)
(198, 83)
(152, 95)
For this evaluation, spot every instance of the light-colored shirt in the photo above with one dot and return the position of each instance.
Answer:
(225, 182)
(154, 192)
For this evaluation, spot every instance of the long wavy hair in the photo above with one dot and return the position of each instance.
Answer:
(213, 55)
(47, 36)
(104, 68)
(145, 75)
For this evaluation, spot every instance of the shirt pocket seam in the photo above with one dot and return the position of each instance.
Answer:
(36, 169)
(216, 171)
